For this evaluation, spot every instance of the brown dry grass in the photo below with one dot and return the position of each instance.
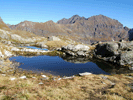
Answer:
(55, 44)
(23, 34)
(89, 87)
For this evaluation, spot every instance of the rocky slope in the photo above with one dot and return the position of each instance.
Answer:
(86, 30)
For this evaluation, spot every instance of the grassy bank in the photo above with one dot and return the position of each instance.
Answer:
(91, 87)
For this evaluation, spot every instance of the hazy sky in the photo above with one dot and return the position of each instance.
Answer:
(15, 11)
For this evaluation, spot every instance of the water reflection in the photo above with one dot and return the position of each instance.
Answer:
(67, 66)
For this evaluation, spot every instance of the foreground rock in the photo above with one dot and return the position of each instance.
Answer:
(120, 53)
(76, 50)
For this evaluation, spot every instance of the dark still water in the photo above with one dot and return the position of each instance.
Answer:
(57, 66)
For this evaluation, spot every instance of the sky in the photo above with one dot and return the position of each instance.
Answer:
(16, 11)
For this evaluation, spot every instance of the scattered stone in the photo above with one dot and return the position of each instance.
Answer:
(59, 78)
(40, 83)
(103, 77)
(12, 79)
(53, 38)
(103, 82)
(85, 73)
(23, 77)
(43, 75)
(69, 77)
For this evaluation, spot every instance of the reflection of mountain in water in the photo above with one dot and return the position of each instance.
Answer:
(112, 69)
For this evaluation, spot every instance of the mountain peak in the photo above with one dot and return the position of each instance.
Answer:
(1, 19)
(71, 20)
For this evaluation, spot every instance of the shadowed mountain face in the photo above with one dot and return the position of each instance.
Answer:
(80, 29)
(130, 34)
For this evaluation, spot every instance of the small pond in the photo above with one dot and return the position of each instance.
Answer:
(57, 66)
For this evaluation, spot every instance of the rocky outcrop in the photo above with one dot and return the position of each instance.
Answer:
(120, 53)
(76, 50)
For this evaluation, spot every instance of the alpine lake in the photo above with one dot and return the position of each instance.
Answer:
(66, 66)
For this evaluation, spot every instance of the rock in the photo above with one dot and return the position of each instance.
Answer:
(126, 58)
(58, 49)
(81, 47)
(78, 47)
(59, 78)
(16, 37)
(103, 77)
(1, 55)
(43, 75)
(42, 44)
(76, 50)
(4, 34)
(85, 73)
(123, 46)
(7, 53)
(15, 49)
(12, 79)
(69, 77)
(107, 50)
(53, 38)
(131, 68)
(23, 77)
(40, 83)
(80, 53)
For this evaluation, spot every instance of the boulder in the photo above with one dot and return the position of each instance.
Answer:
(107, 49)
(42, 44)
(80, 53)
(126, 58)
(79, 47)
(53, 38)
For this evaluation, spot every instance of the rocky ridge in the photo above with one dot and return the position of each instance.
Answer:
(84, 30)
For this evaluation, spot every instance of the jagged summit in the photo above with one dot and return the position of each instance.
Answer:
(71, 20)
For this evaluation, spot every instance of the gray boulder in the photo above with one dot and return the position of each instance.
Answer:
(126, 58)
(107, 50)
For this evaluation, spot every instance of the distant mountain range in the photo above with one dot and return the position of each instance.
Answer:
(81, 29)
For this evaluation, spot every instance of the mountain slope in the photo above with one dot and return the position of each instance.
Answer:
(86, 30)
(3, 25)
